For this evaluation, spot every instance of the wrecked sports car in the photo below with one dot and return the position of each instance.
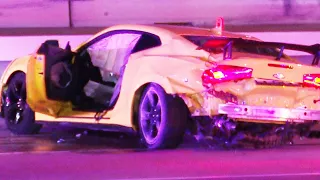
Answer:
(165, 81)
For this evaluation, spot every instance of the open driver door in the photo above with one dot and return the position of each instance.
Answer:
(48, 79)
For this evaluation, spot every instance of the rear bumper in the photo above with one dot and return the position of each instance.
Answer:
(268, 113)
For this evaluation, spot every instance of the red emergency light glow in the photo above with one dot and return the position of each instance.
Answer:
(223, 73)
(311, 80)
(220, 23)
(216, 43)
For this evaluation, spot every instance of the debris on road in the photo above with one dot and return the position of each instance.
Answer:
(60, 141)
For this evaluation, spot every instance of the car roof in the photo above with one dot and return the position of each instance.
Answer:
(196, 31)
(168, 32)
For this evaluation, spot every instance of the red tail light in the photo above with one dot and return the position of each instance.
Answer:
(311, 80)
(216, 43)
(223, 73)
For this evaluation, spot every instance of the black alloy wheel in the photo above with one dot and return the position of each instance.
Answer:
(19, 117)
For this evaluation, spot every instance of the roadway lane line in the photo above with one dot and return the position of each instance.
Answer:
(229, 176)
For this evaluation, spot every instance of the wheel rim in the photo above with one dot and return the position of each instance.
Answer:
(150, 115)
(16, 101)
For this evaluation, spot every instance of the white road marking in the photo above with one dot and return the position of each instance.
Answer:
(228, 176)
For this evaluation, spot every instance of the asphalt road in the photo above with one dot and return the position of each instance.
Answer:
(66, 153)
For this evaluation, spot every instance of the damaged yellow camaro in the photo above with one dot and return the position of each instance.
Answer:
(163, 81)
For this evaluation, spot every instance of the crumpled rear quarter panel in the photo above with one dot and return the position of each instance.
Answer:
(247, 92)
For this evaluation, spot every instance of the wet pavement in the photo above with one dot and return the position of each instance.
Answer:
(55, 137)
(61, 152)
(64, 138)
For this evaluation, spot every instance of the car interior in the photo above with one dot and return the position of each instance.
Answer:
(79, 78)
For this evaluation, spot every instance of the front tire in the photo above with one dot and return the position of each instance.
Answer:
(19, 117)
(162, 118)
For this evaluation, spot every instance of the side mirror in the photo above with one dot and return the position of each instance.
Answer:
(44, 46)
(52, 43)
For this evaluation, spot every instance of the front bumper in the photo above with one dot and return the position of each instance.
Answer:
(268, 113)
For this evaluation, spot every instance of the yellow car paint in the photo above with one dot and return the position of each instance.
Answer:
(177, 66)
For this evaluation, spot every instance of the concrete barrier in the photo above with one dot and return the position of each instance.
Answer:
(12, 47)
(80, 13)
(34, 13)
(110, 12)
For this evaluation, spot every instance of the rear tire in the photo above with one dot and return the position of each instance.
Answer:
(162, 118)
(19, 117)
